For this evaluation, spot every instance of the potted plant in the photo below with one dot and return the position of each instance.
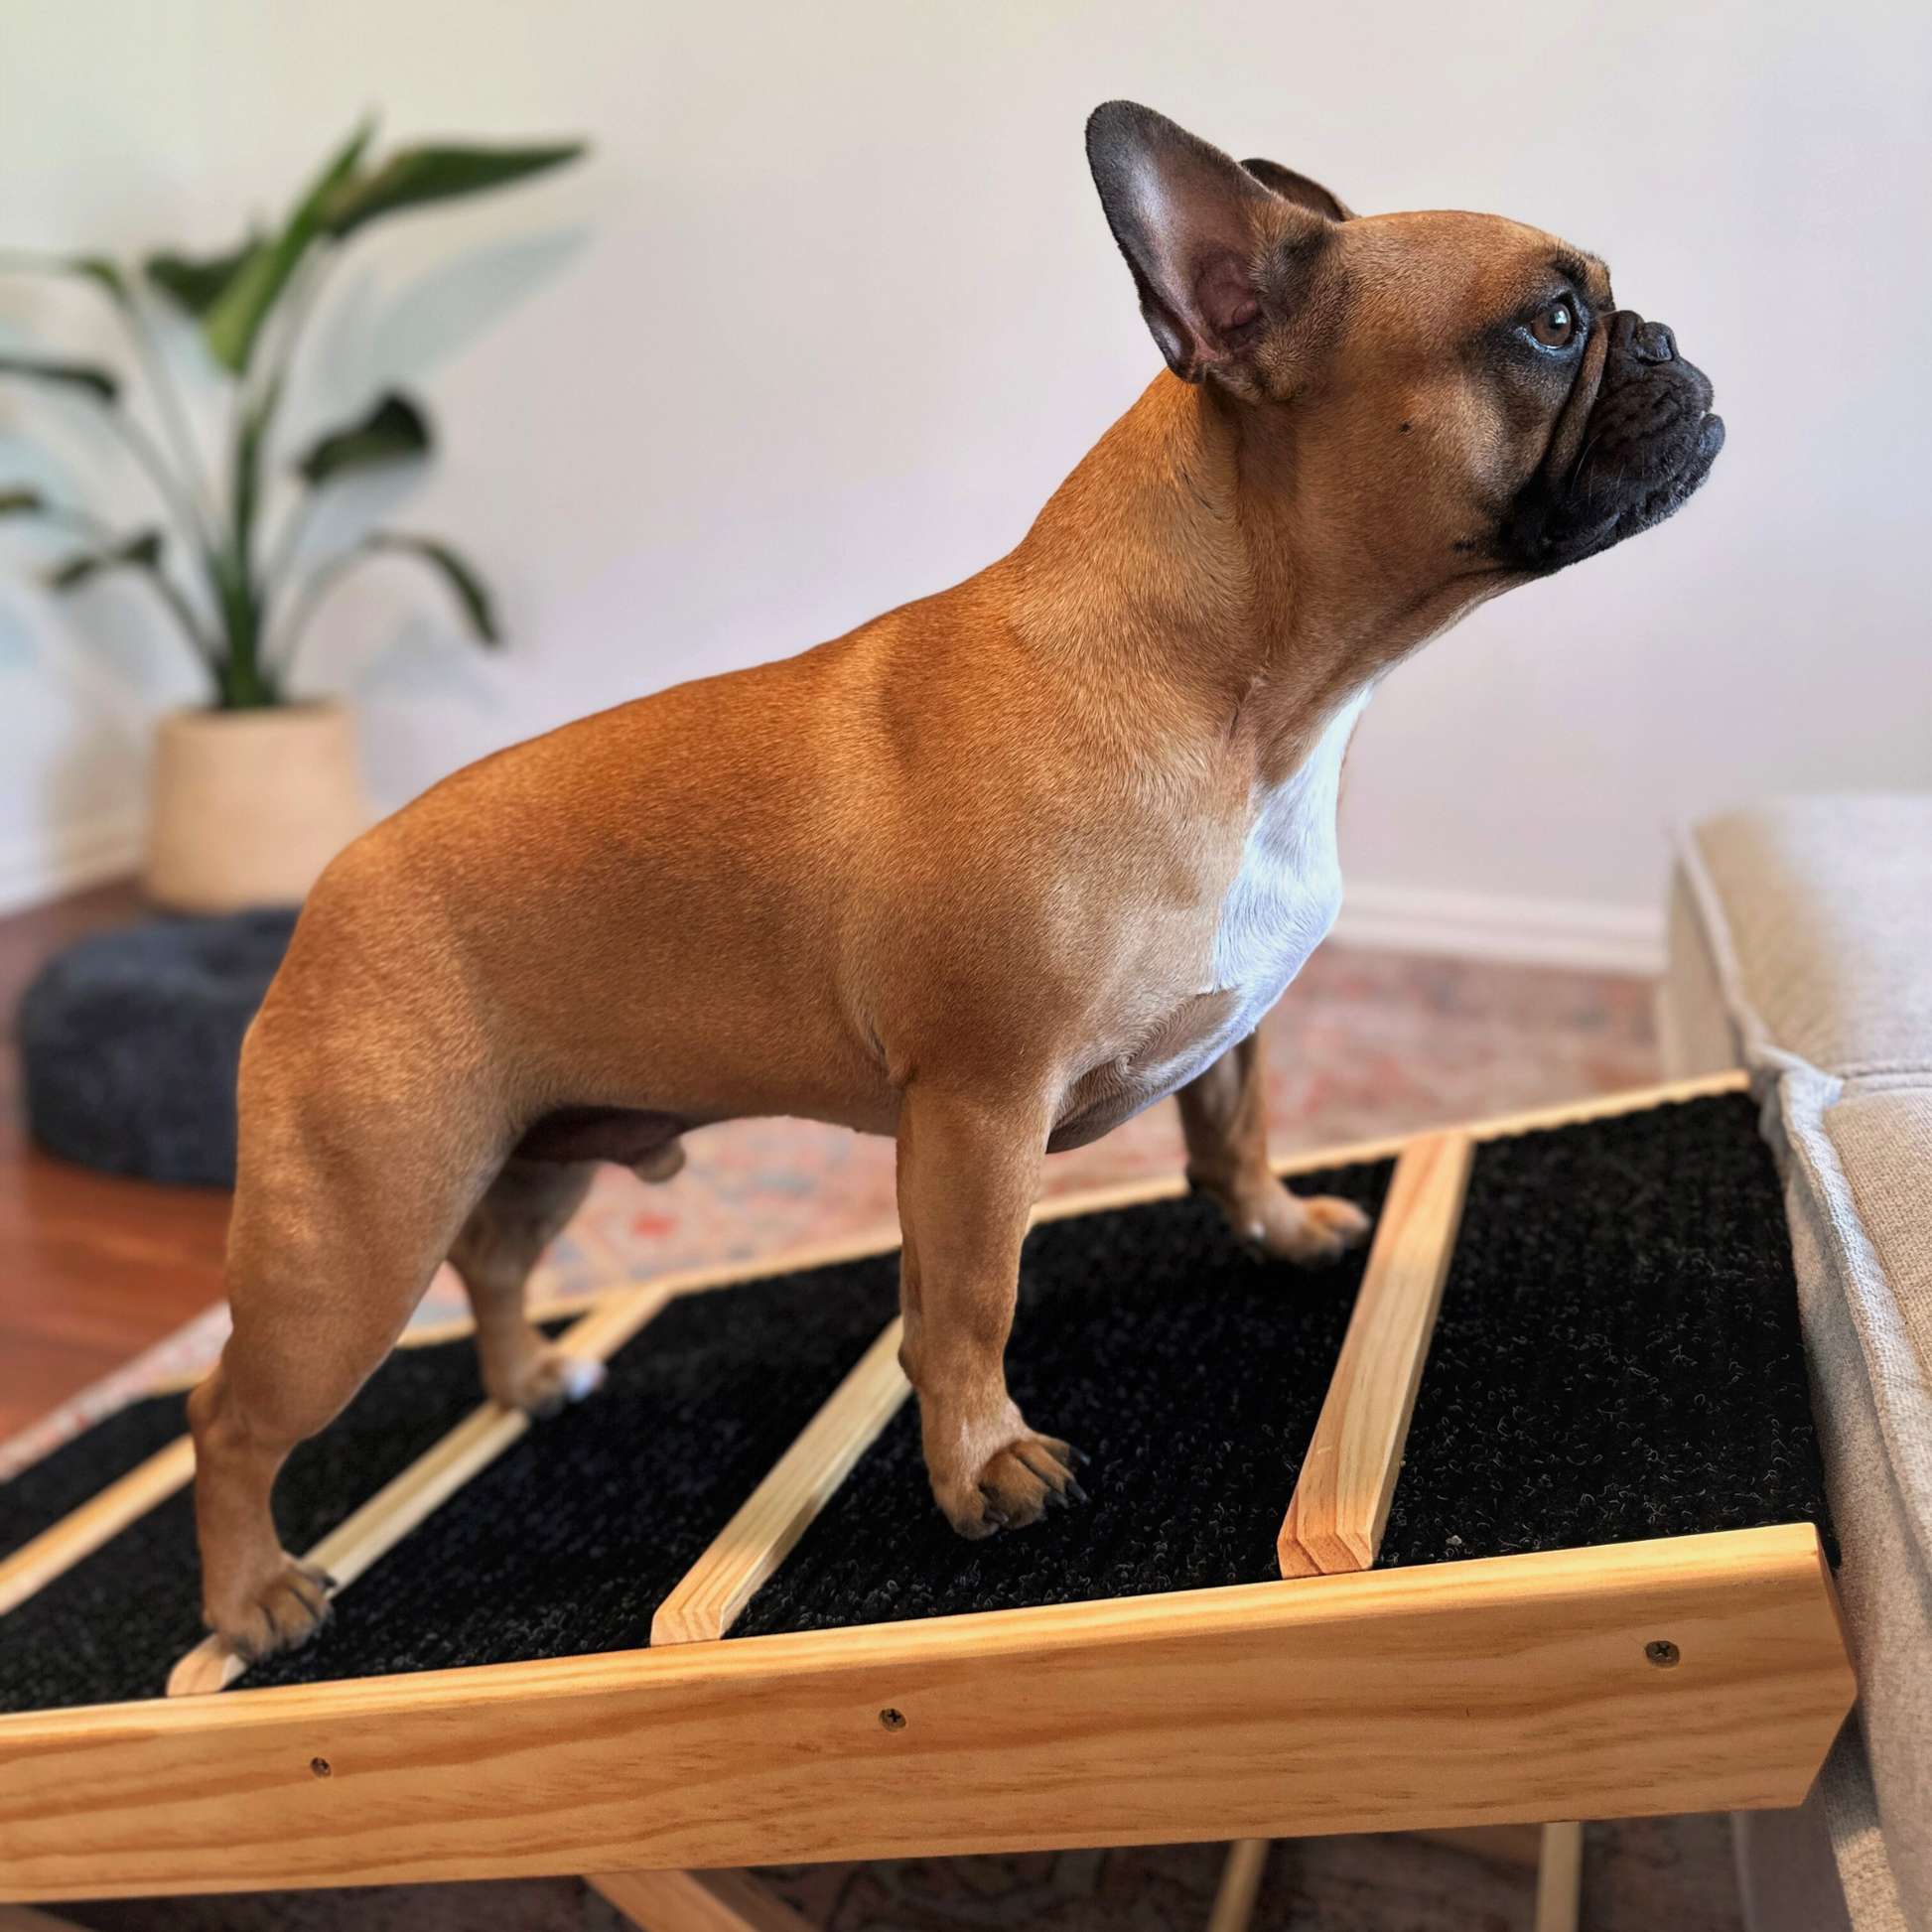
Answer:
(253, 794)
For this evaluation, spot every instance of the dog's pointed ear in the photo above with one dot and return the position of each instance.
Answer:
(1191, 223)
(1298, 188)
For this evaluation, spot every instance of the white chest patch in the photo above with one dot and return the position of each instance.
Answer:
(1278, 909)
(1287, 891)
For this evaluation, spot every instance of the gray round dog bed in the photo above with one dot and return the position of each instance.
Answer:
(129, 1043)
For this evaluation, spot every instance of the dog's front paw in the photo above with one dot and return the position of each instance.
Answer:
(1016, 1487)
(282, 1612)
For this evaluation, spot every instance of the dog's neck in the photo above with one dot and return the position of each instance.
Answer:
(1171, 556)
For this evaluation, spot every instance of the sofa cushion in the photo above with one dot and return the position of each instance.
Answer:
(1883, 1138)
(1809, 924)
(1826, 909)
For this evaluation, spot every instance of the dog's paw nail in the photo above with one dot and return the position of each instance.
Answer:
(583, 1376)
(1073, 1492)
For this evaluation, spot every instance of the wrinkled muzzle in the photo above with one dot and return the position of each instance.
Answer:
(1648, 442)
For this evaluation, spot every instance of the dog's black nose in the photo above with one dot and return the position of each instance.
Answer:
(1655, 344)
(1642, 341)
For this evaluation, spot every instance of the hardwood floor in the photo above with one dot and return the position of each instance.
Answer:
(93, 1268)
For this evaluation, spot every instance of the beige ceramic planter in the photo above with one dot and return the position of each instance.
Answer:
(248, 807)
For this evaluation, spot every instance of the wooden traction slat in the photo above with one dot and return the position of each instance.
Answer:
(1341, 1505)
(713, 1592)
(363, 1538)
(101, 1518)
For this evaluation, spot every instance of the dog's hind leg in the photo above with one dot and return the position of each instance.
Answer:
(1225, 1116)
(321, 1281)
(521, 1212)
(345, 1202)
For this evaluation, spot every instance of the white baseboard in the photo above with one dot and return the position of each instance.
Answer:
(1502, 926)
(39, 865)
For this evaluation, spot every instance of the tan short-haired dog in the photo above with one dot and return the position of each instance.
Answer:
(991, 874)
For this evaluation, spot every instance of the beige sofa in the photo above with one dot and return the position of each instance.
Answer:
(1800, 947)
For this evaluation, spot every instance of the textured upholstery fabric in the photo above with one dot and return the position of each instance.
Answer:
(1858, 1841)
(1812, 919)
(1826, 909)
(1883, 1139)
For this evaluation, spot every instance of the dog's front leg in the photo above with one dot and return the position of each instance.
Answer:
(968, 1173)
(1224, 1115)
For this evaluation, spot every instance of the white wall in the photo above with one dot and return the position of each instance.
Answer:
(834, 307)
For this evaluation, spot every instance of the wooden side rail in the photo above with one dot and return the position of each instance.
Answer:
(1474, 1693)
(1340, 1504)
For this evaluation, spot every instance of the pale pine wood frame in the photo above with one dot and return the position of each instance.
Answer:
(1458, 1695)
(1341, 1505)
(696, 1901)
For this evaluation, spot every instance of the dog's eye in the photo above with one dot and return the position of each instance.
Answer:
(1555, 326)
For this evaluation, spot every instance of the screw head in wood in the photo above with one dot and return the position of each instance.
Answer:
(321, 1768)
(893, 1719)
(1662, 1652)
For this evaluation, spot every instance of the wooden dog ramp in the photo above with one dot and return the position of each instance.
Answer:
(1516, 1516)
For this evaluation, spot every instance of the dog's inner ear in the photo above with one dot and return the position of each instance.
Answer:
(1298, 188)
(1189, 219)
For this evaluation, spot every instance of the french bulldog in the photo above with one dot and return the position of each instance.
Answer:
(990, 874)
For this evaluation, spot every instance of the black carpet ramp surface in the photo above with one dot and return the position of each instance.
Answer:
(1618, 1353)
(44, 1491)
(569, 1541)
(1618, 1358)
(113, 1625)
(1190, 1375)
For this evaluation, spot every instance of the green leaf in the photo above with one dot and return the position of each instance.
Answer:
(414, 175)
(93, 268)
(461, 578)
(234, 319)
(196, 282)
(21, 502)
(141, 552)
(99, 269)
(394, 430)
(83, 376)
